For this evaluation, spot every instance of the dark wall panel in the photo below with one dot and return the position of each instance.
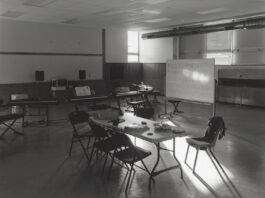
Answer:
(123, 74)
(154, 75)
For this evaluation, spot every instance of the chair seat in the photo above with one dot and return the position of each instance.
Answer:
(132, 155)
(11, 116)
(199, 143)
(174, 101)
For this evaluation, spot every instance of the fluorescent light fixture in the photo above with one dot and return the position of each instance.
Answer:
(157, 20)
(212, 11)
(71, 21)
(38, 3)
(151, 11)
(12, 14)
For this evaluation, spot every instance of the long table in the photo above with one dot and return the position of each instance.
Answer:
(34, 103)
(150, 135)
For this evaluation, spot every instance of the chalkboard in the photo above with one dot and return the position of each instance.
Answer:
(191, 79)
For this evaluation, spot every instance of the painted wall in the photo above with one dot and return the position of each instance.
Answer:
(249, 47)
(116, 45)
(156, 50)
(58, 50)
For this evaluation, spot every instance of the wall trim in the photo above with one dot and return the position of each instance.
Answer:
(49, 54)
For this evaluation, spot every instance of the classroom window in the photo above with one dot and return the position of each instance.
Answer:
(219, 47)
(222, 58)
(133, 46)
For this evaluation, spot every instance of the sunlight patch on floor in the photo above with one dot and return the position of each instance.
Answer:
(204, 168)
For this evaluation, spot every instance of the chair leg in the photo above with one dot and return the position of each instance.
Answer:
(129, 179)
(83, 147)
(9, 127)
(71, 146)
(92, 151)
(195, 162)
(147, 170)
(88, 143)
(186, 156)
(112, 161)
(105, 161)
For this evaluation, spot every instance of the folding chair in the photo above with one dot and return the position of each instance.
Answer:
(130, 154)
(104, 141)
(214, 131)
(81, 130)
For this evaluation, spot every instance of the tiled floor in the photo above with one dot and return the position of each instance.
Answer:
(37, 165)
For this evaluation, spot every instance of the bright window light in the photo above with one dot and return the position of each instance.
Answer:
(222, 58)
(132, 58)
(219, 45)
(133, 46)
(132, 42)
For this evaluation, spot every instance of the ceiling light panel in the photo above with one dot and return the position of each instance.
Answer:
(12, 14)
(154, 12)
(158, 20)
(212, 11)
(38, 3)
(71, 21)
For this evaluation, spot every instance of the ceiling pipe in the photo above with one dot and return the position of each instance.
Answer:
(254, 23)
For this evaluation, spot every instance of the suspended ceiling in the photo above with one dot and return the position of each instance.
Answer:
(132, 14)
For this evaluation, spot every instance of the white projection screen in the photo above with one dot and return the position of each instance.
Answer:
(191, 79)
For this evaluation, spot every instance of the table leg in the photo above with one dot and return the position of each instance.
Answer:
(24, 113)
(174, 155)
(119, 106)
(47, 115)
(154, 168)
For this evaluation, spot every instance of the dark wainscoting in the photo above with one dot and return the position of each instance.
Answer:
(154, 75)
(242, 86)
(43, 89)
(122, 74)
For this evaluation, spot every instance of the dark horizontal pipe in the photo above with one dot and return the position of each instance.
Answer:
(201, 29)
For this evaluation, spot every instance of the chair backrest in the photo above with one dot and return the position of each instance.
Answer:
(78, 117)
(97, 130)
(215, 129)
(123, 140)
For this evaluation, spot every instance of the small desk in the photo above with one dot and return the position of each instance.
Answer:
(156, 138)
(128, 94)
(35, 103)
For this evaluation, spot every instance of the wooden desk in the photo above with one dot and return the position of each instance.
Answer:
(150, 135)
